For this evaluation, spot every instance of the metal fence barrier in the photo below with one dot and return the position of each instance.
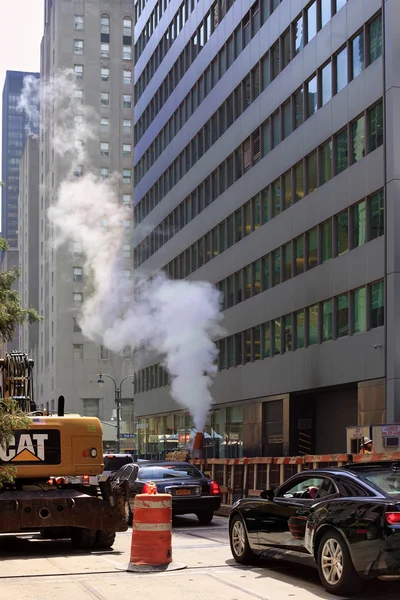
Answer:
(241, 477)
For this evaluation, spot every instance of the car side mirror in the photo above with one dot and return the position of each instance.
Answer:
(267, 494)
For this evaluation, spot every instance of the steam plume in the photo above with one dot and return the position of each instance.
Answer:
(175, 318)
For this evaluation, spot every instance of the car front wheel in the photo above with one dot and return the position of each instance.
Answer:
(239, 542)
(335, 567)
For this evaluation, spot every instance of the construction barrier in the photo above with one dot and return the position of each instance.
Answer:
(151, 547)
(241, 477)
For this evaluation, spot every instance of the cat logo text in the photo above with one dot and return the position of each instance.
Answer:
(29, 447)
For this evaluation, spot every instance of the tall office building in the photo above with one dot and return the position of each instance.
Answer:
(28, 242)
(15, 128)
(94, 38)
(265, 145)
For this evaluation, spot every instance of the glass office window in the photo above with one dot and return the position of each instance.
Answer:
(287, 119)
(256, 277)
(359, 298)
(266, 138)
(222, 355)
(287, 333)
(275, 61)
(312, 172)
(266, 71)
(342, 232)
(326, 162)
(230, 296)
(375, 38)
(377, 305)
(257, 342)
(287, 189)
(298, 182)
(287, 261)
(230, 352)
(359, 224)
(277, 336)
(248, 282)
(266, 337)
(238, 287)
(341, 70)
(276, 197)
(276, 129)
(247, 218)
(326, 240)
(299, 255)
(299, 107)
(326, 83)
(247, 345)
(312, 248)
(285, 49)
(358, 139)
(276, 265)
(341, 151)
(376, 215)
(325, 12)
(312, 21)
(299, 325)
(358, 59)
(266, 272)
(313, 325)
(312, 100)
(265, 205)
(375, 118)
(256, 202)
(340, 4)
(298, 35)
(238, 349)
(327, 315)
(342, 315)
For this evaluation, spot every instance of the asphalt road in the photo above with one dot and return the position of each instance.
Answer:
(42, 570)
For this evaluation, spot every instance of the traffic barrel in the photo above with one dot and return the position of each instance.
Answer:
(151, 547)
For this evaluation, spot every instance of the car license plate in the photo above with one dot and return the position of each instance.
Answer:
(182, 492)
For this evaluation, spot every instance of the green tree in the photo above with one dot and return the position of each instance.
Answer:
(11, 315)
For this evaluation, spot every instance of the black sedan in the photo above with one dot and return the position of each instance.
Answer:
(344, 520)
(191, 491)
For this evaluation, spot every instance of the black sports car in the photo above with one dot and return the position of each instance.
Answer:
(344, 520)
(191, 491)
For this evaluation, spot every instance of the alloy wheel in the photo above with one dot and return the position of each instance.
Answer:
(332, 561)
(238, 536)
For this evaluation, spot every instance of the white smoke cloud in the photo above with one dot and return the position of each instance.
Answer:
(176, 318)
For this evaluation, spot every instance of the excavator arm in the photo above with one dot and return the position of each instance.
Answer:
(16, 370)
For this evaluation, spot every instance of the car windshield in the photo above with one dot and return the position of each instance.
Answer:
(113, 463)
(383, 480)
(168, 472)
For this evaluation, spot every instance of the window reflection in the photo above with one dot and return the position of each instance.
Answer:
(359, 310)
(358, 54)
(313, 325)
(342, 315)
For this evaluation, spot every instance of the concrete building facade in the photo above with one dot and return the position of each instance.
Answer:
(15, 128)
(265, 163)
(95, 39)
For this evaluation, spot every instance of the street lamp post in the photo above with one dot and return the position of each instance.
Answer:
(100, 381)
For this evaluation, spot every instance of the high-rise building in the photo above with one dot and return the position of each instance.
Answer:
(265, 145)
(15, 128)
(28, 242)
(94, 39)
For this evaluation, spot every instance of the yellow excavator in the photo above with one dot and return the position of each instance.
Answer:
(53, 457)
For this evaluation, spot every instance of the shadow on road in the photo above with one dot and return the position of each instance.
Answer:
(307, 578)
(35, 546)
